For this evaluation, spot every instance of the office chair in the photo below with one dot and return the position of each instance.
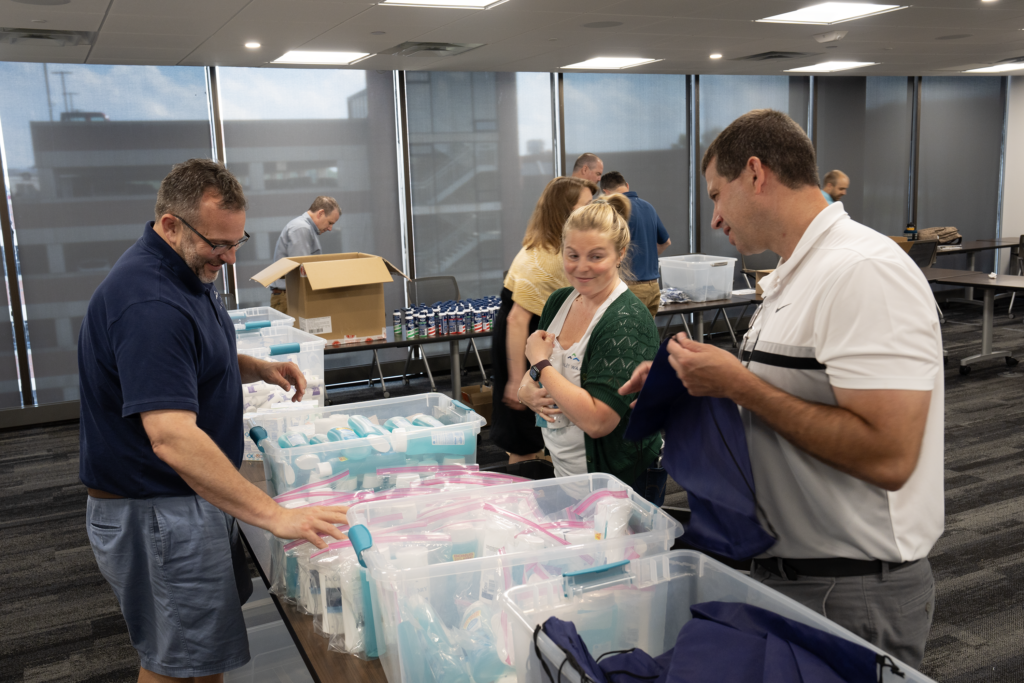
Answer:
(923, 252)
(1018, 259)
(749, 265)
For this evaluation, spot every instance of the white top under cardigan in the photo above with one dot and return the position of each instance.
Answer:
(564, 440)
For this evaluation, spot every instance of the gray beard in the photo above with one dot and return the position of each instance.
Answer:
(194, 261)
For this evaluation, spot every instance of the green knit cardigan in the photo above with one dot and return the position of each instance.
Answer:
(623, 337)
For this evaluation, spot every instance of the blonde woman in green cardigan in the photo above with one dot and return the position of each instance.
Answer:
(590, 338)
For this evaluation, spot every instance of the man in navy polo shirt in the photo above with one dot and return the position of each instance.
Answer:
(161, 403)
(648, 239)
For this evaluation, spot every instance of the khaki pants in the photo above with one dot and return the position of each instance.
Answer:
(279, 302)
(648, 292)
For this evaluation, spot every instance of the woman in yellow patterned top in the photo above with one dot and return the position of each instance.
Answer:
(535, 273)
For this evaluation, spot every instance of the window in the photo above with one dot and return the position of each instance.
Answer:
(480, 150)
(961, 139)
(864, 130)
(87, 147)
(722, 100)
(294, 134)
(636, 124)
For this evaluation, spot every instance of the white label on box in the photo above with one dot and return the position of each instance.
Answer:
(316, 325)
(448, 439)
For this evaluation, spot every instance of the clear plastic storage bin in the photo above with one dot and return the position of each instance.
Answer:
(452, 441)
(283, 344)
(643, 604)
(435, 604)
(250, 319)
(700, 277)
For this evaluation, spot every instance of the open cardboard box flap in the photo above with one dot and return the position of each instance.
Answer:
(328, 271)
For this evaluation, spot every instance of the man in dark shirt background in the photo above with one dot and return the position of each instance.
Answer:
(648, 239)
(161, 437)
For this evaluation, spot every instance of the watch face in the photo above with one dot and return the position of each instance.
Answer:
(534, 374)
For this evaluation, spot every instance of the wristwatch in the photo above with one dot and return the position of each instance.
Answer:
(537, 369)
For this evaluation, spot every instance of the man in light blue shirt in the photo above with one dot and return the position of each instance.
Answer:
(301, 237)
(834, 186)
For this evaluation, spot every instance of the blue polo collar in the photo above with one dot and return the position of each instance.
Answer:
(632, 194)
(156, 245)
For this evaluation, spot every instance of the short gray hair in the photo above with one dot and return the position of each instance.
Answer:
(326, 204)
(586, 159)
(181, 192)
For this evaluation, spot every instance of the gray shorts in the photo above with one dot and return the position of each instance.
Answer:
(892, 612)
(179, 573)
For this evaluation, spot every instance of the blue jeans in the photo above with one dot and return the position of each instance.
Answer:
(651, 485)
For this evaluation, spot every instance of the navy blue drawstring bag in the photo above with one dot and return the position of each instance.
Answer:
(706, 454)
(738, 642)
(564, 635)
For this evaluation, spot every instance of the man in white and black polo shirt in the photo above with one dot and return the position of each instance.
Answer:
(841, 390)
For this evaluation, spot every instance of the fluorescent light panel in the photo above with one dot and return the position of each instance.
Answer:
(611, 63)
(829, 67)
(997, 68)
(310, 57)
(831, 13)
(445, 4)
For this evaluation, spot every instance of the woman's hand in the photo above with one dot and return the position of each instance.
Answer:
(510, 398)
(539, 346)
(538, 399)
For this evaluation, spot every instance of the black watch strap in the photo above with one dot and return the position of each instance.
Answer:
(537, 369)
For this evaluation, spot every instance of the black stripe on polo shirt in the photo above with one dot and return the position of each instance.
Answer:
(780, 361)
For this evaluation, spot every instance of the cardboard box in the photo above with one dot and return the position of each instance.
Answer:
(339, 297)
(758, 274)
(478, 397)
(902, 241)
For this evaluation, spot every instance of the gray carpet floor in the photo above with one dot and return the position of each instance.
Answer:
(59, 620)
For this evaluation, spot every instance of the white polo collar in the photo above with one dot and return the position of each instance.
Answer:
(828, 217)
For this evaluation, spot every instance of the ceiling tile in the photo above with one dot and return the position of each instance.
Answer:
(26, 53)
(142, 40)
(21, 16)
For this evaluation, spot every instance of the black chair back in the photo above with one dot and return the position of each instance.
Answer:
(923, 252)
(428, 290)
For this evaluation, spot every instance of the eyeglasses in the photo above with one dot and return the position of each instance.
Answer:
(216, 248)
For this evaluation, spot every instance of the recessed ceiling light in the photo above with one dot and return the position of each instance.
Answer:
(829, 67)
(38, 21)
(252, 45)
(997, 68)
(602, 24)
(445, 4)
(715, 56)
(611, 63)
(831, 13)
(376, 33)
(309, 57)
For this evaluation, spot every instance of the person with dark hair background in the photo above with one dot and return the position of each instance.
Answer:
(648, 239)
